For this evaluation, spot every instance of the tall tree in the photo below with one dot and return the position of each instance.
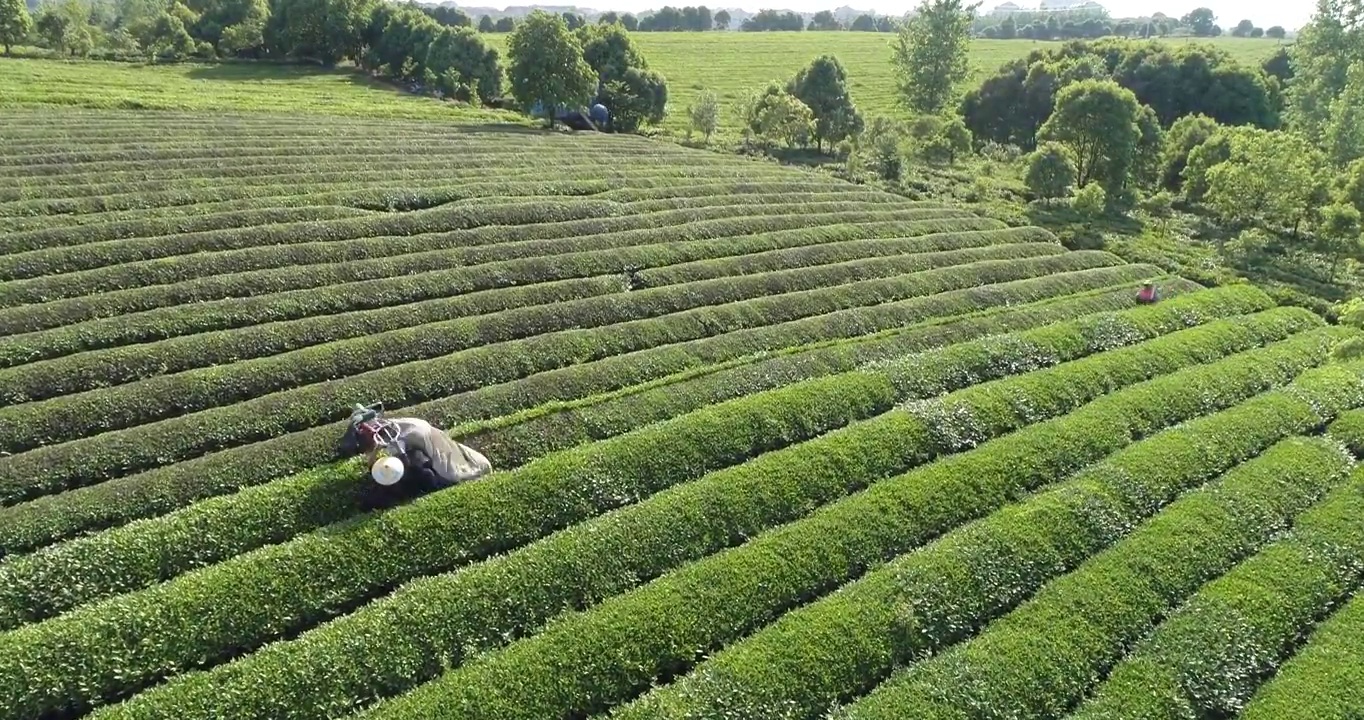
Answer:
(1269, 178)
(327, 31)
(823, 87)
(930, 54)
(1185, 134)
(547, 66)
(1098, 122)
(722, 20)
(1344, 141)
(15, 23)
(1201, 21)
(1321, 56)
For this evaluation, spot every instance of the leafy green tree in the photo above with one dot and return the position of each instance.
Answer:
(1269, 178)
(485, 24)
(1090, 200)
(879, 147)
(1277, 32)
(1051, 172)
(610, 51)
(507, 24)
(637, 97)
(15, 23)
(1243, 29)
(929, 54)
(1279, 66)
(823, 87)
(1201, 21)
(1097, 120)
(773, 115)
(65, 26)
(1338, 235)
(1184, 135)
(630, 90)
(1352, 185)
(163, 35)
(1321, 55)
(464, 65)
(1344, 139)
(547, 65)
(326, 31)
(722, 20)
(824, 20)
(1203, 157)
(1146, 169)
(246, 35)
(785, 118)
(704, 114)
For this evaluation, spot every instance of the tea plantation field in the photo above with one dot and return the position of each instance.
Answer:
(767, 444)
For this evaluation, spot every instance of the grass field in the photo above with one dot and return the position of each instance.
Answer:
(729, 63)
(829, 448)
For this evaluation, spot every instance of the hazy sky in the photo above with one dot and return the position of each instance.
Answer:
(1264, 13)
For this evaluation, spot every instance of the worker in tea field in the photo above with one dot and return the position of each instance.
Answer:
(1147, 294)
(409, 455)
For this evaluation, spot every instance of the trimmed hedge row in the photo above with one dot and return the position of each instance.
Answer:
(59, 578)
(709, 222)
(53, 231)
(499, 267)
(95, 223)
(385, 195)
(958, 582)
(1040, 659)
(90, 460)
(44, 520)
(70, 417)
(167, 322)
(559, 429)
(391, 195)
(264, 171)
(317, 575)
(220, 221)
(108, 367)
(1349, 429)
(140, 275)
(307, 148)
(426, 171)
(508, 596)
(588, 661)
(22, 259)
(1207, 658)
(112, 366)
(1322, 681)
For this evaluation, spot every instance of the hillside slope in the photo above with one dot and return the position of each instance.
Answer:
(767, 444)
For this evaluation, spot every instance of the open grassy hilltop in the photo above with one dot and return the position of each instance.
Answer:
(767, 444)
(729, 63)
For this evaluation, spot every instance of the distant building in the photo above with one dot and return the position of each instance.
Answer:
(1068, 5)
(1047, 6)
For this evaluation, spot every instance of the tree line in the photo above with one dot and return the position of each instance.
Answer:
(1096, 23)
